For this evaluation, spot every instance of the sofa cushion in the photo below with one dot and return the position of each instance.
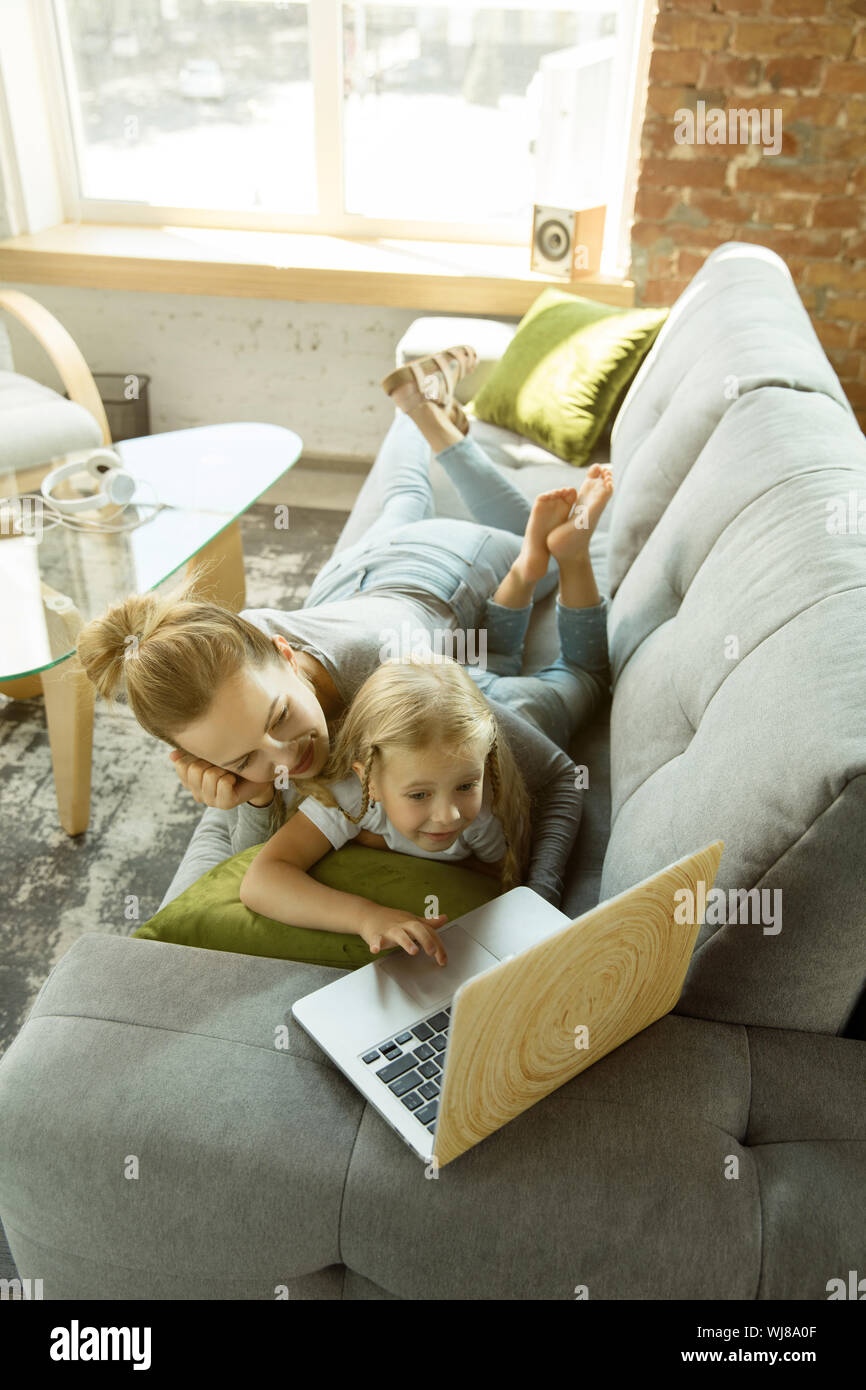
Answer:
(565, 370)
(210, 913)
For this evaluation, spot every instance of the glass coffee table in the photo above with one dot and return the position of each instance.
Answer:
(52, 584)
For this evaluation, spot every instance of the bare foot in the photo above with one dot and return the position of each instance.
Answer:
(571, 539)
(549, 510)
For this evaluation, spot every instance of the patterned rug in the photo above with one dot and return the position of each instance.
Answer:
(141, 817)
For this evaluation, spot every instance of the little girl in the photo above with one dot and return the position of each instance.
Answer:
(419, 764)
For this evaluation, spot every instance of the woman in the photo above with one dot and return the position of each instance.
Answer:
(249, 700)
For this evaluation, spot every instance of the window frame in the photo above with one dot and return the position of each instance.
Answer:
(49, 192)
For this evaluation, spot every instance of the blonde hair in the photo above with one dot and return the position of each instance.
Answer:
(167, 654)
(421, 701)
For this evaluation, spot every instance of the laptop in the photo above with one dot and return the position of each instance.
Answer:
(527, 999)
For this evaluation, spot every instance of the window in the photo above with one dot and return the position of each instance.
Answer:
(436, 121)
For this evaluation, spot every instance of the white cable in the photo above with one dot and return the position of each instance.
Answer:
(80, 523)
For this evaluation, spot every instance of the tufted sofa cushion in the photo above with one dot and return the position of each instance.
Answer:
(738, 646)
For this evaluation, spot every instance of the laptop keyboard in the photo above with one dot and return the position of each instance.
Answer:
(411, 1064)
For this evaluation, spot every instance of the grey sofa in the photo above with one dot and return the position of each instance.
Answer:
(721, 1154)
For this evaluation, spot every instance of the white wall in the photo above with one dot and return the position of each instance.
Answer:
(315, 368)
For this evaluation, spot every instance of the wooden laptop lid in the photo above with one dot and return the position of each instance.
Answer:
(517, 1030)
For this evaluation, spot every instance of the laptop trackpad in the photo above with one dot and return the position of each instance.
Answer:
(430, 983)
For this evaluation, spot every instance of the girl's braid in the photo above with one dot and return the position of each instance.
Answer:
(365, 787)
(510, 867)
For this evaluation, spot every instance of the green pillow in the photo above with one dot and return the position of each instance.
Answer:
(566, 371)
(210, 913)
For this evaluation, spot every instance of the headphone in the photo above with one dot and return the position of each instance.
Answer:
(114, 484)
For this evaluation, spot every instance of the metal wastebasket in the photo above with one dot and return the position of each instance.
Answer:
(127, 406)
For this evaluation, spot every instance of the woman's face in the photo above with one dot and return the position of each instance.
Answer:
(261, 720)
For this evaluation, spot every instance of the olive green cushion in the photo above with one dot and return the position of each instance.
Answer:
(210, 913)
(566, 371)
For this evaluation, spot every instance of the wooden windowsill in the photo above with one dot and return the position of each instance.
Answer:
(448, 277)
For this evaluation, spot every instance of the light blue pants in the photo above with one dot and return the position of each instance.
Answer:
(463, 563)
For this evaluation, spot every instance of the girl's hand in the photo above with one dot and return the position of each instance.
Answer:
(213, 786)
(388, 926)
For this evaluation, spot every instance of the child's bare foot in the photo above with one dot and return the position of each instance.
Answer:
(549, 510)
(570, 539)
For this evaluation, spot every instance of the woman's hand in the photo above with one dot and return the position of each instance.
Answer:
(213, 786)
(371, 840)
(388, 926)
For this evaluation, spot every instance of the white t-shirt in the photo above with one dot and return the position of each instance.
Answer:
(483, 838)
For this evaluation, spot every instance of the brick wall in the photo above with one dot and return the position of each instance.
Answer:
(806, 58)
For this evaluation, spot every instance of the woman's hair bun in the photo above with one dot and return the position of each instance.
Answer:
(105, 644)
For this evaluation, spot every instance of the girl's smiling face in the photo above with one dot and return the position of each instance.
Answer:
(260, 720)
(429, 796)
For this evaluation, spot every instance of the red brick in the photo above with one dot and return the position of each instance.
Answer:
(804, 242)
(818, 111)
(860, 45)
(844, 363)
(847, 307)
(845, 77)
(836, 274)
(791, 146)
(722, 207)
(808, 40)
(690, 262)
(841, 144)
(858, 335)
(666, 101)
(838, 212)
(784, 210)
(739, 6)
(662, 264)
(703, 239)
(668, 65)
(652, 204)
(858, 179)
(796, 74)
(855, 247)
(770, 177)
(856, 393)
(679, 31)
(645, 233)
(688, 5)
(855, 110)
(798, 9)
(690, 172)
(731, 73)
(834, 335)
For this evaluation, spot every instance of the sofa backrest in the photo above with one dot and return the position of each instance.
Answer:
(738, 645)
